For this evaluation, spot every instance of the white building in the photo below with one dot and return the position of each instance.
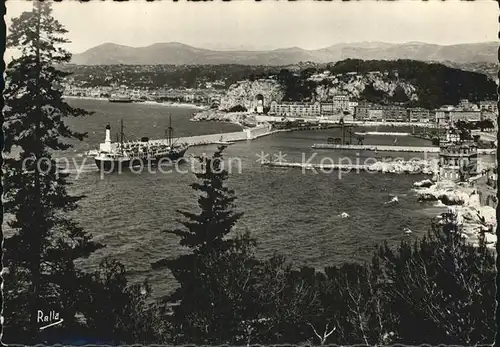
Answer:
(295, 109)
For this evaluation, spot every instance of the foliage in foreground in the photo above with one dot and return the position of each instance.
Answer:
(435, 290)
(440, 284)
(40, 253)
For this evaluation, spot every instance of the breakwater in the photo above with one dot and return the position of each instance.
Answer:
(397, 167)
(382, 148)
(245, 134)
(386, 148)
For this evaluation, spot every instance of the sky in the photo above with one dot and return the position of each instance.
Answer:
(270, 24)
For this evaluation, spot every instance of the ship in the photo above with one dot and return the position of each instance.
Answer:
(120, 98)
(122, 155)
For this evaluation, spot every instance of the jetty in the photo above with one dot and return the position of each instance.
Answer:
(395, 167)
(225, 138)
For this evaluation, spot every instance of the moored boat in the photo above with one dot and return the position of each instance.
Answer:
(120, 98)
(123, 155)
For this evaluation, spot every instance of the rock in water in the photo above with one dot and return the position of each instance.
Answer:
(394, 200)
(423, 184)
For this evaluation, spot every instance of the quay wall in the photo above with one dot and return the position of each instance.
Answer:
(326, 120)
(246, 134)
(258, 131)
(207, 139)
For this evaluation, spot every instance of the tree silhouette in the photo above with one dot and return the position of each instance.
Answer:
(203, 274)
(40, 254)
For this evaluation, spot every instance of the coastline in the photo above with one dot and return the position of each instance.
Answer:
(465, 202)
(252, 119)
(169, 104)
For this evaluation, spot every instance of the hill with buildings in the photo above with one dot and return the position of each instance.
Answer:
(180, 54)
(407, 82)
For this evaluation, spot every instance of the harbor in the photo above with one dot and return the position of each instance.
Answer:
(306, 176)
(172, 190)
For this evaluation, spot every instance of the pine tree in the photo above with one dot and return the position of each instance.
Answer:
(203, 297)
(40, 253)
(206, 230)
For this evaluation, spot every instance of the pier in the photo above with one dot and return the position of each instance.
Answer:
(221, 138)
(382, 148)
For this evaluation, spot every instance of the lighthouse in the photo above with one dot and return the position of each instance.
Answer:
(106, 146)
(108, 134)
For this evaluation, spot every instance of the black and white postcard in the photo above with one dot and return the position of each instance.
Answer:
(250, 173)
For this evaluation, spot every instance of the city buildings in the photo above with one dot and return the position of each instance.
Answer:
(457, 158)
(295, 109)
(351, 105)
(489, 106)
(395, 114)
(388, 113)
(465, 115)
(340, 102)
(361, 110)
(449, 115)
(338, 106)
(375, 115)
(328, 109)
(419, 114)
(442, 115)
(466, 105)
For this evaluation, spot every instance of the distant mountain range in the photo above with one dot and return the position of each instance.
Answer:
(180, 54)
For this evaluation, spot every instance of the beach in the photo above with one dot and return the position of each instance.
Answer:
(169, 104)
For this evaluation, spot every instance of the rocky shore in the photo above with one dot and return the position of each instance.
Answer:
(244, 119)
(463, 201)
(426, 167)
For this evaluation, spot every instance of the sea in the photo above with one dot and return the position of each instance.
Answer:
(295, 213)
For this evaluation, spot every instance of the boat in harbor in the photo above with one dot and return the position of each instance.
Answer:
(120, 98)
(120, 155)
(222, 142)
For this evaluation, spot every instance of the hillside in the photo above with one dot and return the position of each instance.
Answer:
(180, 54)
(410, 82)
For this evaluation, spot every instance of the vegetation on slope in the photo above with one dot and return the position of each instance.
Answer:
(436, 84)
